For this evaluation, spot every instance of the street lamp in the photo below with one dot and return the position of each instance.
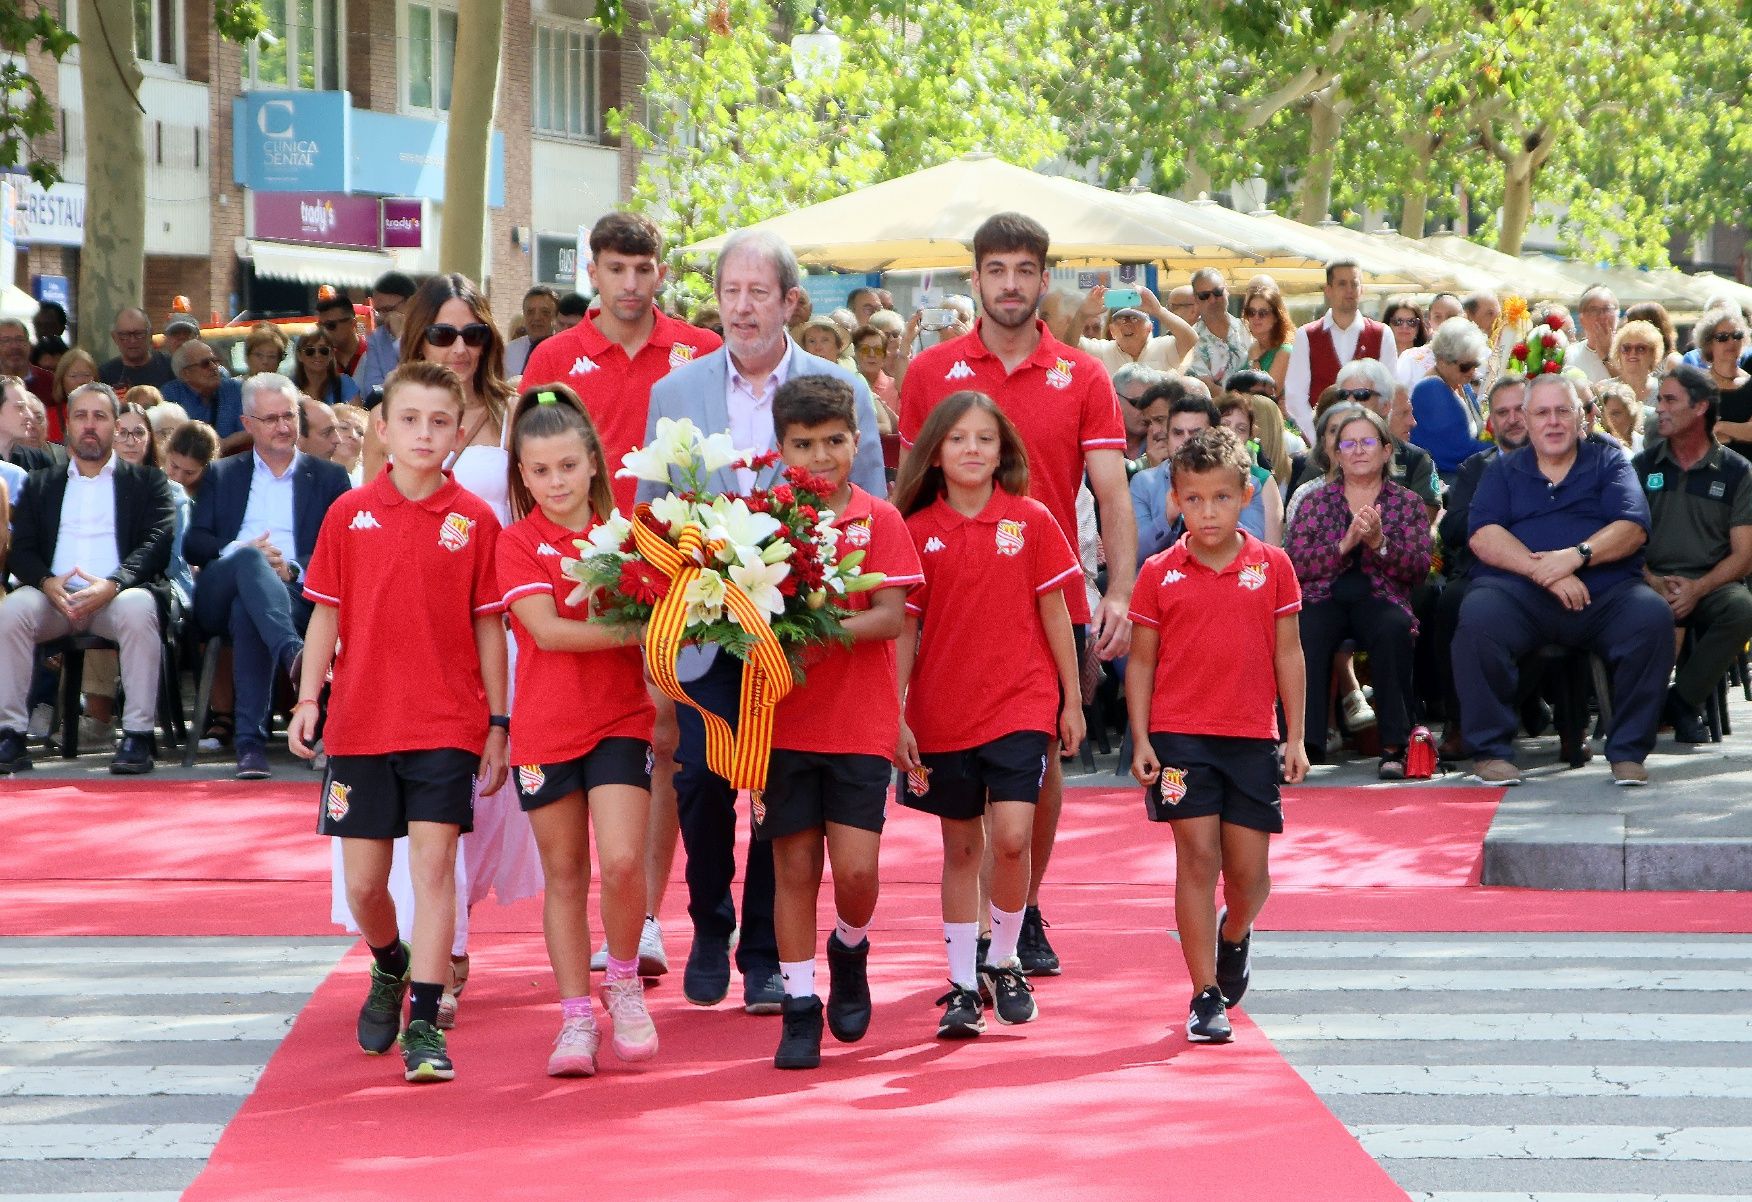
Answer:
(817, 53)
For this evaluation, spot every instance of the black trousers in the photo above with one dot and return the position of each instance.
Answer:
(1378, 627)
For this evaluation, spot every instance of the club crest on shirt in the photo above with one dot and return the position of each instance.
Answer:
(857, 534)
(1253, 575)
(530, 778)
(453, 534)
(1059, 374)
(336, 802)
(1656, 481)
(1173, 785)
(1010, 538)
(679, 354)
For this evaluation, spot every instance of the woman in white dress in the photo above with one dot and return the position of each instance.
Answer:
(449, 322)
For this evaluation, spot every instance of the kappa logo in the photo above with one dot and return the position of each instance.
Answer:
(530, 778)
(544, 549)
(1173, 785)
(364, 520)
(1010, 536)
(453, 534)
(582, 366)
(1174, 577)
(960, 371)
(933, 544)
(857, 533)
(1059, 374)
(679, 354)
(336, 802)
(1253, 576)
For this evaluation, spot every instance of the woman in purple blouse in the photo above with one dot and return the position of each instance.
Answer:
(1359, 544)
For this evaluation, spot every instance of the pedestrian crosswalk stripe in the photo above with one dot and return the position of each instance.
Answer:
(1467, 1196)
(1398, 1141)
(251, 983)
(1532, 952)
(1665, 1027)
(150, 1195)
(1527, 1080)
(26, 953)
(144, 1080)
(1378, 980)
(108, 1141)
(135, 1028)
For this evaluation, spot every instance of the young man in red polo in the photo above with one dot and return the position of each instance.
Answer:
(611, 358)
(1063, 405)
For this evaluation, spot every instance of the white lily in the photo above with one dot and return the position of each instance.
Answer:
(760, 580)
(673, 512)
(717, 451)
(672, 446)
(730, 519)
(705, 598)
(607, 537)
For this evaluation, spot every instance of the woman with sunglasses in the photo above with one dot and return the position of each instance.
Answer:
(1404, 317)
(1635, 357)
(316, 374)
(449, 322)
(1448, 424)
(1722, 337)
(1268, 320)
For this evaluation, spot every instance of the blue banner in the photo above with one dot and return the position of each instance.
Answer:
(291, 141)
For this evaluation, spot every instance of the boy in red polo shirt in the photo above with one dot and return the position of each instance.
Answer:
(403, 579)
(1215, 643)
(833, 736)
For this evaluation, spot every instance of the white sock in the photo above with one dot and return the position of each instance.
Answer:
(799, 978)
(849, 935)
(963, 941)
(1006, 931)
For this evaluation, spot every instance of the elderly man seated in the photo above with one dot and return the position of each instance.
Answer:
(207, 395)
(1700, 539)
(1558, 528)
(91, 542)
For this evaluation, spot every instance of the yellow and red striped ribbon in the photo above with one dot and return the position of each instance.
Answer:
(740, 755)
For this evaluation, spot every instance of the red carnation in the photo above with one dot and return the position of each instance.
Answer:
(809, 513)
(1554, 320)
(788, 586)
(784, 494)
(1550, 368)
(1550, 339)
(1519, 351)
(641, 582)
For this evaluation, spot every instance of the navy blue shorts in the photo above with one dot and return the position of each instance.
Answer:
(614, 761)
(957, 784)
(376, 796)
(1202, 775)
(806, 790)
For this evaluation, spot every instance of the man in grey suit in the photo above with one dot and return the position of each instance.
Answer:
(731, 390)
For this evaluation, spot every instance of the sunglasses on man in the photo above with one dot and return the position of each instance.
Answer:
(1210, 293)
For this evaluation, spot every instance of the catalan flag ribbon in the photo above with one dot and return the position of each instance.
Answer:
(740, 755)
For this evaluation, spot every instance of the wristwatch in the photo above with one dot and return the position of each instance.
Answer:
(1586, 552)
(502, 721)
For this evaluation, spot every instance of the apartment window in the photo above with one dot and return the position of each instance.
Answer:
(156, 23)
(302, 47)
(567, 96)
(430, 47)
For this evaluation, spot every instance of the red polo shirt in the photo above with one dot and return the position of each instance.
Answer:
(1216, 668)
(984, 668)
(1060, 399)
(617, 390)
(566, 702)
(847, 704)
(409, 579)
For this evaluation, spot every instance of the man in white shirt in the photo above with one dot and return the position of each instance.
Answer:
(1599, 309)
(1222, 342)
(92, 542)
(1341, 335)
(254, 528)
(1131, 340)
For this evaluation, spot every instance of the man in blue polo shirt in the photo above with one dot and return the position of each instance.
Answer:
(1558, 528)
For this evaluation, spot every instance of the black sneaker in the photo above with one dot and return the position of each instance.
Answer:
(1234, 962)
(380, 1016)
(848, 990)
(134, 755)
(424, 1056)
(1688, 724)
(961, 1014)
(763, 992)
(14, 753)
(706, 980)
(1038, 958)
(1392, 765)
(1209, 1020)
(1012, 995)
(252, 762)
(800, 1042)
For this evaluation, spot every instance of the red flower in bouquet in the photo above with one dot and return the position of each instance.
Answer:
(784, 494)
(1554, 320)
(808, 482)
(1551, 367)
(1519, 351)
(642, 583)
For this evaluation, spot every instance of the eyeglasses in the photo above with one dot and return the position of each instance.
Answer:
(1262, 313)
(1736, 336)
(1406, 323)
(132, 435)
(1466, 369)
(1598, 311)
(1356, 394)
(385, 310)
(1205, 296)
(209, 362)
(128, 333)
(335, 323)
(1358, 444)
(287, 418)
(473, 335)
(1635, 348)
(321, 352)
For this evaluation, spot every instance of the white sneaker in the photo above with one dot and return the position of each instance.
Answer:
(93, 733)
(635, 1035)
(653, 960)
(42, 722)
(1358, 713)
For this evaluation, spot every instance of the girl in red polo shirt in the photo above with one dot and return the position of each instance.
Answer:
(988, 669)
(580, 726)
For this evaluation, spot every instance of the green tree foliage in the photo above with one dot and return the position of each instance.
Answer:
(25, 113)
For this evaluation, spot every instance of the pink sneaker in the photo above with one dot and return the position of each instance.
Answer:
(635, 1035)
(574, 1052)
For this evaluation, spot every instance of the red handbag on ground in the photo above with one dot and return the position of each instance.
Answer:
(1420, 754)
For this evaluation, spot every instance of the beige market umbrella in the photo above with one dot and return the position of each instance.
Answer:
(1421, 269)
(1719, 285)
(926, 220)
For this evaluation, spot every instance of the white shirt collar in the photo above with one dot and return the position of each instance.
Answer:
(261, 465)
(1356, 322)
(108, 468)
